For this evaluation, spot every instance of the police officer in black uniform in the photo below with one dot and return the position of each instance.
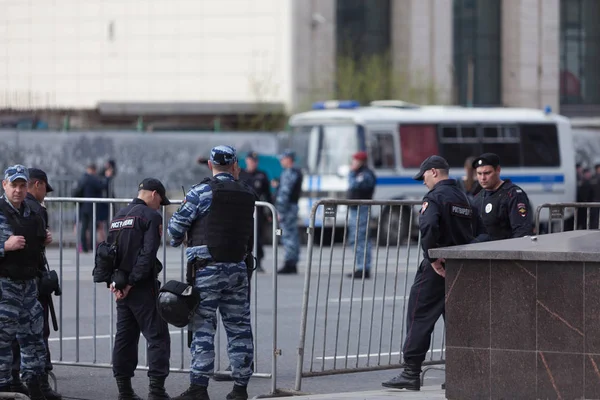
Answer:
(503, 206)
(257, 180)
(446, 219)
(37, 188)
(137, 231)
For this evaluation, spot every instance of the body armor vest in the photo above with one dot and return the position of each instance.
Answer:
(23, 264)
(229, 225)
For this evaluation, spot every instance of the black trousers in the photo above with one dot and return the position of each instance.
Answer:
(425, 305)
(137, 314)
(16, 350)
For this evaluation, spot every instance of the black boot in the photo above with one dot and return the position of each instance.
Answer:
(35, 389)
(49, 393)
(157, 388)
(238, 393)
(16, 385)
(409, 379)
(358, 274)
(288, 268)
(194, 392)
(125, 390)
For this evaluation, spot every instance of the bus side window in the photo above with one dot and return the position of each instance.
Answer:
(540, 145)
(417, 142)
(457, 143)
(382, 151)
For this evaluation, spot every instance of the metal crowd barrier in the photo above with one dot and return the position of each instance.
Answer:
(563, 217)
(335, 337)
(86, 310)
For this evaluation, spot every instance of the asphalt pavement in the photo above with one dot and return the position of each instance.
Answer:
(350, 325)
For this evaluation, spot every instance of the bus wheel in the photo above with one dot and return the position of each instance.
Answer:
(394, 227)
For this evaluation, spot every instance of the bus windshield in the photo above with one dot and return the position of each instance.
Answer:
(330, 147)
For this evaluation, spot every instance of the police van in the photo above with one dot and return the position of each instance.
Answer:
(535, 148)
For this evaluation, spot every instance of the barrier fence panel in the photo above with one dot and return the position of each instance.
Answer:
(561, 217)
(359, 324)
(85, 311)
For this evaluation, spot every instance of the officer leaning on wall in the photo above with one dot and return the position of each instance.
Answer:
(22, 240)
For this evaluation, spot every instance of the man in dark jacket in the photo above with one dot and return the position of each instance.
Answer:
(137, 230)
(90, 185)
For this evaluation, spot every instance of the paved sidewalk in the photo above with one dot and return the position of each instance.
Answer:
(431, 392)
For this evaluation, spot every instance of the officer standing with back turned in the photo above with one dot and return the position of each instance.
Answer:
(218, 217)
(137, 231)
(503, 206)
(22, 240)
(446, 219)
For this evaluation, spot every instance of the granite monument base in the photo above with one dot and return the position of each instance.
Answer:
(523, 318)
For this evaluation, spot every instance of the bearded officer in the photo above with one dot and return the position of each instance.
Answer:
(446, 219)
(22, 240)
(218, 217)
(503, 206)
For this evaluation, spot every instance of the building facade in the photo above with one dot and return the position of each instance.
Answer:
(245, 57)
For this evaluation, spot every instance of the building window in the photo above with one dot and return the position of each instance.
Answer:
(580, 52)
(477, 47)
(363, 28)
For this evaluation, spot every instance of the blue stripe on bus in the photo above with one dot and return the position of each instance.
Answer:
(520, 179)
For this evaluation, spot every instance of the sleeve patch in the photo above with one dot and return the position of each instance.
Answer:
(424, 207)
(461, 211)
(522, 209)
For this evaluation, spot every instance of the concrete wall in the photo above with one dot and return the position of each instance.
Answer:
(530, 53)
(73, 53)
(422, 42)
(314, 53)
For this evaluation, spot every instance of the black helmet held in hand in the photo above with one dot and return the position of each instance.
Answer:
(177, 302)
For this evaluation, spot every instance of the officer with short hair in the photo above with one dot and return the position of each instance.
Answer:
(503, 206)
(37, 188)
(22, 240)
(137, 230)
(361, 186)
(218, 217)
(288, 194)
(446, 219)
(259, 182)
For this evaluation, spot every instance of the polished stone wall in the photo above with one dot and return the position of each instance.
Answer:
(522, 329)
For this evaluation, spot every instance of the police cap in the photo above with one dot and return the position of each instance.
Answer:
(252, 155)
(487, 159)
(152, 184)
(431, 162)
(15, 172)
(38, 174)
(223, 155)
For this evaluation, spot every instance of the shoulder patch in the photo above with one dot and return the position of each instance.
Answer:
(424, 207)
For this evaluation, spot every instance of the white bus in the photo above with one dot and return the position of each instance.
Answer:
(535, 148)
